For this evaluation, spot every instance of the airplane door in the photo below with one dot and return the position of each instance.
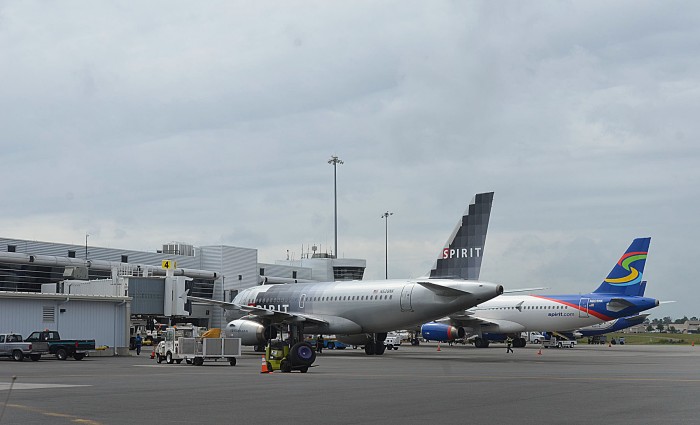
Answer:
(302, 300)
(406, 297)
(583, 307)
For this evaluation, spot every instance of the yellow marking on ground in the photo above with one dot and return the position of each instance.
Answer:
(72, 418)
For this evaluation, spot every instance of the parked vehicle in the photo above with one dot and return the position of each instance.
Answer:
(392, 340)
(11, 345)
(598, 339)
(533, 337)
(187, 343)
(559, 343)
(280, 356)
(329, 343)
(51, 342)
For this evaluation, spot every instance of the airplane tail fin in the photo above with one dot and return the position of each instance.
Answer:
(626, 277)
(642, 287)
(461, 256)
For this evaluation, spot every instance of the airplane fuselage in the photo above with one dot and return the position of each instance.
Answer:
(520, 313)
(353, 307)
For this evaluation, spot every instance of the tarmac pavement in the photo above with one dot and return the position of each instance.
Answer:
(458, 384)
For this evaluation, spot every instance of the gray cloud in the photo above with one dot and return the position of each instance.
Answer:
(213, 124)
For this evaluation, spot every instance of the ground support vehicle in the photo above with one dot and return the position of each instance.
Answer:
(51, 342)
(11, 345)
(328, 343)
(280, 356)
(533, 337)
(598, 339)
(392, 341)
(558, 343)
(194, 350)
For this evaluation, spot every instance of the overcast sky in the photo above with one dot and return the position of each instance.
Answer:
(211, 123)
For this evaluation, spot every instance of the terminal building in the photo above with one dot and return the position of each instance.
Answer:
(103, 293)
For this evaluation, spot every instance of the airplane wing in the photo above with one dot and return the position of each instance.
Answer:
(468, 320)
(262, 313)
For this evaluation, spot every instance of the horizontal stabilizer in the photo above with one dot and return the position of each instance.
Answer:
(619, 304)
(444, 291)
(224, 304)
(511, 291)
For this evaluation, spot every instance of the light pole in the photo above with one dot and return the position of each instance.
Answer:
(385, 216)
(335, 161)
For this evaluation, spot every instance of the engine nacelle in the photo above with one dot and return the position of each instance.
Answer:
(250, 332)
(441, 332)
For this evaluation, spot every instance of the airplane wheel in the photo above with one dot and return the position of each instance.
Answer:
(379, 348)
(369, 348)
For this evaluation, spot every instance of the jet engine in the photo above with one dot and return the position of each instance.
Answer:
(441, 332)
(250, 332)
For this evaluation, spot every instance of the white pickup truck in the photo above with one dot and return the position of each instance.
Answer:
(559, 343)
(393, 340)
(11, 345)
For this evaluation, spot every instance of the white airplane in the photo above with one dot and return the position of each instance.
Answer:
(619, 295)
(362, 312)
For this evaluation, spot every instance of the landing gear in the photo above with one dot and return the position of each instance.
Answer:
(376, 344)
(481, 343)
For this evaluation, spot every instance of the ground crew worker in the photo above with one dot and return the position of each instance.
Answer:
(138, 342)
(509, 344)
(319, 344)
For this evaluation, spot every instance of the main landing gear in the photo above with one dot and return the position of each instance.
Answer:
(376, 344)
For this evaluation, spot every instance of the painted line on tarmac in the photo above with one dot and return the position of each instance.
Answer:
(72, 418)
(23, 386)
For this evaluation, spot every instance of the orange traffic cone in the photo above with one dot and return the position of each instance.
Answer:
(539, 352)
(153, 354)
(693, 344)
(438, 346)
(263, 367)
